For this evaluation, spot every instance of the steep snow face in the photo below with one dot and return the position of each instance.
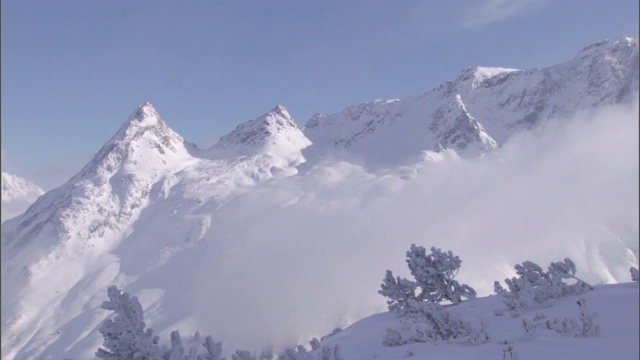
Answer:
(17, 195)
(115, 184)
(480, 109)
(66, 233)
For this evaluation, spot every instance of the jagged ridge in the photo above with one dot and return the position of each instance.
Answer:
(495, 103)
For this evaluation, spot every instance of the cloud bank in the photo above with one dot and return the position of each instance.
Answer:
(299, 256)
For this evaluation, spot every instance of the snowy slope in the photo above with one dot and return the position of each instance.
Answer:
(615, 306)
(251, 239)
(17, 195)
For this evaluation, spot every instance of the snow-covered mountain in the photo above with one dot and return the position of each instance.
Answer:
(146, 187)
(17, 195)
(273, 133)
(480, 109)
(182, 227)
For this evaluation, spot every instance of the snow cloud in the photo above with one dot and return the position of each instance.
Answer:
(308, 253)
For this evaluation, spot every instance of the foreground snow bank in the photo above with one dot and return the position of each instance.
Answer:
(615, 307)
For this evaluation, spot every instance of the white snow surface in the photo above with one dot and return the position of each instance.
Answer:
(615, 307)
(17, 195)
(276, 234)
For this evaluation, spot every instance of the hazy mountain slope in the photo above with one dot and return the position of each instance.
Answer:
(17, 195)
(241, 241)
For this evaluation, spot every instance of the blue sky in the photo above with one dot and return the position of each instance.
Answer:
(73, 71)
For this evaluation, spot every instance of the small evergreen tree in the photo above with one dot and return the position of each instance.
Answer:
(509, 353)
(177, 349)
(314, 343)
(330, 353)
(583, 326)
(242, 355)
(125, 336)
(535, 286)
(214, 350)
(398, 290)
(635, 275)
(431, 322)
(434, 277)
(299, 353)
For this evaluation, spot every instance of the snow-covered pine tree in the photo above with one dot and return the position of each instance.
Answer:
(566, 269)
(535, 286)
(214, 350)
(330, 353)
(509, 353)
(587, 326)
(177, 349)
(124, 335)
(434, 275)
(635, 275)
(242, 355)
(314, 343)
(300, 353)
(425, 321)
(422, 317)
(398, 290)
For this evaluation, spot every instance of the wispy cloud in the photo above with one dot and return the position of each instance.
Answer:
(492, 11)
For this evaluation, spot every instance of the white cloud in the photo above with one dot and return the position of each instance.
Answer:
(492, 11)
(308, 253)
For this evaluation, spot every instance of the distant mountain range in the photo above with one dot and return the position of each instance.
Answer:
(148, 202)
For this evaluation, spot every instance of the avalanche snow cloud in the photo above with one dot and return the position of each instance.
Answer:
(310, 250)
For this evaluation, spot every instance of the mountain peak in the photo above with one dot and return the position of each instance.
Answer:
(143, 136)
(145, 111)
(280, 110)
(263, 133)
(144, 118)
